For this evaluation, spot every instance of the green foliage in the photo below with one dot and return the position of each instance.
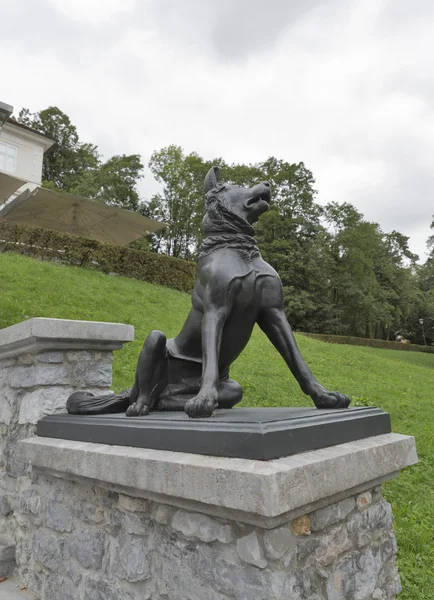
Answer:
(340, 273)
(398, 382)
(113, 182)
(69, 159)
(180, 203)
(370, 342)
(77, 168)
(46, 244)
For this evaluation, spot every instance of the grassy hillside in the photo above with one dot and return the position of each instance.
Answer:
(399, 382)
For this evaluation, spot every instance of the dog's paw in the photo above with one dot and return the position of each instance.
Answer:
(324, 399)
(202, 405)
(140, 408)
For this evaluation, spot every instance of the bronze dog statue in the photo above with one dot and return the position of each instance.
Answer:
(235, 288)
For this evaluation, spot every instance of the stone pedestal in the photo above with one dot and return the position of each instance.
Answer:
(92, 521)
(112, 522)
(42, 361)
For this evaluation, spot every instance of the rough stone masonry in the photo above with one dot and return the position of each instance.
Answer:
(78, 541)
(97, 522)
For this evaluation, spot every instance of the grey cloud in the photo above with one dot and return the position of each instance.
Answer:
(40, 27)
(229, 30)
(397, 13)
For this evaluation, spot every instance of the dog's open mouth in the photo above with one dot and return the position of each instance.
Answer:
(265, 195)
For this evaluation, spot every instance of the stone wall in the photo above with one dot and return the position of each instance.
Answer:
(42, 361)
(32, 386)
(79, 541)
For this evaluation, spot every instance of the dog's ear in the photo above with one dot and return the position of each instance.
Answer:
(212, 179)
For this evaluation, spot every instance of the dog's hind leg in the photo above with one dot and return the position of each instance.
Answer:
(151, 375)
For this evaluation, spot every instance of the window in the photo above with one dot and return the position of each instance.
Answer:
(8, 158)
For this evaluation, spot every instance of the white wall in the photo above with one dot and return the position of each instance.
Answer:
(30, 152)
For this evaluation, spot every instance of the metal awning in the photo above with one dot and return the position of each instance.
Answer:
(8, 186)
(67, 213)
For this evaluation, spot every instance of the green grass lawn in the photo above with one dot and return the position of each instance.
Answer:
(398, 382)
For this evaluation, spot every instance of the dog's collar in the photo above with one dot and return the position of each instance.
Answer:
(243, 243)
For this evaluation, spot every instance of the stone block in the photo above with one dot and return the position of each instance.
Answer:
(6, 405)
(162, 513)
(278, 542)
(26, 359)
(7, 550)
(44, 375)
(41, 334)
(355, 575)
(301, 525)
(42, 402)
(28, 502)
(50, 357)
(7, 568)
(250, 551)
(91, 374)
(58, 587)
(357, 530)
(378, 516)
(332, 545)
(48, 549)
(14, 466)
(330, 515)
(99, 588)
(78, 356)
(364, 500)
(5, 507)
(209, 574)
(306, 547)
(132, 558)
(23, 549)
(88, 513)
(87, 547)
(58, 517)
(260, 493)
(6, 363)
(133, 504)
(202, 527)
(133, 523)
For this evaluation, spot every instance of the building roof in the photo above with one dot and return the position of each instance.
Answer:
(54, 209)
(13, 121)
(8, 186)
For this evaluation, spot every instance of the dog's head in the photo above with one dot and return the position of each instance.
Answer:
(234, 202)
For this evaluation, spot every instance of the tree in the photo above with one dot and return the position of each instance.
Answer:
(68, 160)
(77, 167)
(180, 204)
(114, 182)
(372, 274)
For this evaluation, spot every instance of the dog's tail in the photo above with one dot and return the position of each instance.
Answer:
(85, 403)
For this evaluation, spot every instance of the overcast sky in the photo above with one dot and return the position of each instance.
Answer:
(345, 86)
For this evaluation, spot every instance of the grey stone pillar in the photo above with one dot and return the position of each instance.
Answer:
(42, 361)
(117, 522)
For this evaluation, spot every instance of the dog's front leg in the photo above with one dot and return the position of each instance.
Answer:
(275, 325)
(204, 404)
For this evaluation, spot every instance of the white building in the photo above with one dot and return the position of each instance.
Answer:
(23, 200)
(21, 148)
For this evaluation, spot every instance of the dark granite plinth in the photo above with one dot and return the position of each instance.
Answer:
(256, 433)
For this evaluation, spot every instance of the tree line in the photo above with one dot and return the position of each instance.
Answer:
(341, 274)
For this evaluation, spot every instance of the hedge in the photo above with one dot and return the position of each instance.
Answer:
(46, 244)
(356, 341)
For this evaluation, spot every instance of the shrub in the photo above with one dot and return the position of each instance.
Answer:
(356, 341)
(46, 244)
